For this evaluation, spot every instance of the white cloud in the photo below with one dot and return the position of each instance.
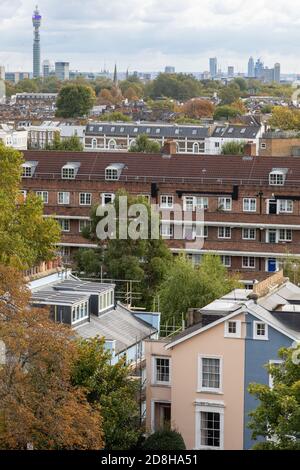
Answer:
(148, 34)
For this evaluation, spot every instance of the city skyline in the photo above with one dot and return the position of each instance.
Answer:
(90, 41)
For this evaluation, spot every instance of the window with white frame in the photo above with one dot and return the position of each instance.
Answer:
(194, 203)
(232, 329)
(106, 300)
(166, 202)
(84, 224)
(113, 172)
(167, 230)
(85, 199)
(210, 374)
(64, 225)
(277, 178)
(27, 170)
(248, 262)
(285, 235)
(224, 232)
(249, 233)
(260, 330)
(285, 206)
(80, 312)
(201, 231)
(249, 204)
(107, 198)
(68, 172)
(225, 203)
(210, 430)
(161, 372)
(226, 261)
(63, 197)
(275, 363)
(43, 195)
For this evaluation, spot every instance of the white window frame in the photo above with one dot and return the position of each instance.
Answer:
(86, 197)
(224, 237)
(285, 238)
(223, 259)
(277, 178)
(265, 337)
(237, 334)
(248, 263)
(85, 224)
(283, 206)
(111, 174)
(65, 195)
(64, 220)
(245, 230)
(168, 203)
(208, 406)
(225, 204)
(274, 362)
(68, 172)
(167, 230)
(247, 203)
(154, 371)
(41, 194)
(200, 388)
(103, 196)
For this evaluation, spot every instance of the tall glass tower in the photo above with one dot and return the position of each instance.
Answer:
(36, 21)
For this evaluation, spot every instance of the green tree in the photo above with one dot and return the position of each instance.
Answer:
(88, 261)
(143, 260)
(75, 100)
(115, 117)
(284, 118)
(165, 439)
(145, 145)
(230, 94)
(241, 83)
(233, 148)
(26, 237)
(277, 417)
(187, 286)
(111, 388)
(70, 144)
(225, 112)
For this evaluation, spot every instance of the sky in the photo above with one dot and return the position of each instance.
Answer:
(147, 35)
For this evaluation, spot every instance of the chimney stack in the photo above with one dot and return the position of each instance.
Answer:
(250, 150)
(169, 149)
(193, 317)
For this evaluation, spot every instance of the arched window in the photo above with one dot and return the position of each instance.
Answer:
(94, 143)
(112, 144)
(196, 147)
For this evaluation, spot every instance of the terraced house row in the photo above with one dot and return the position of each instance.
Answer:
(251, 204)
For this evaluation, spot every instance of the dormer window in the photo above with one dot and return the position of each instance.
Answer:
(28, 169)
(148, 130)
(113, 129)
(277, 177)
(113, 172)
(135, 129)
(157, 131)
(69, 171)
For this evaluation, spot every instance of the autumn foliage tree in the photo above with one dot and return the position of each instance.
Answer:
(26, 237)
(39, 405)
(198, 108)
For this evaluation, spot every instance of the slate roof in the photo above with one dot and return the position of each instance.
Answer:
(50, 296)
(83, 286)
(152, 130)
(236, 132)
(119, 324)
(154, 168)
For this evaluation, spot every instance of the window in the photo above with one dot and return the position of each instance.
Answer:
(85, 199)
(167, 230)
(112, 173)
(210, 429)
(148, 130)
(224, 232)
(226, 260)
(122, 129)
(248, 262)
(192, 203)
(217, 145)
(27, 171)
(161, 370)
(263, 145)
(135, 129)
(232, 329)
(83, 224)
(209, 425)
(157, 131)
(68, 173)
(80, 312)
(285, 235)
(112, 144)
(276, 363)
(277, 178)
(166, 202)
(196, 147)
(210, 375)
(260, 330)
(63, 198)
(225, 203)
(285, 206)
(43, 195)
(271, 236)
(106, 300)
(64, 225)
(249, 204)
(249, 233)
(107, 198)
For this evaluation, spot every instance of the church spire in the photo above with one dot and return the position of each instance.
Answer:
(115, 76)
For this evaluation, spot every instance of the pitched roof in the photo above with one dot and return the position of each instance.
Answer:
(154, 168)
(236, 132)
(152, 130)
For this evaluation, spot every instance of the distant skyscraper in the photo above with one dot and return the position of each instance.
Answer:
(251, 71)
(259, 69)
(36, 21)
(62, 71)
(169, 69)
(277, 73)
(213, 67)
(230, 72)
(46, 68)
